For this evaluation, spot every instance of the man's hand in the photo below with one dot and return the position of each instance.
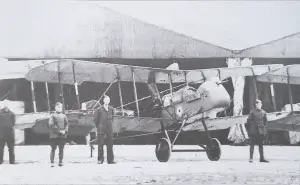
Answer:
(63, 132)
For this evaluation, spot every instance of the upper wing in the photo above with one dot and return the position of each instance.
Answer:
(64, 71)
(18, 69)
(287, 74)
(223, 73)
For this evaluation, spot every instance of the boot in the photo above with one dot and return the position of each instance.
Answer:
(263, 160)
(12, 158)
(261, 153)
(111, 162)
(1, 159)
(60, 163)
(251, 153)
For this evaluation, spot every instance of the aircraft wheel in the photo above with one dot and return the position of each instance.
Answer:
(213, 150)
(163, 150)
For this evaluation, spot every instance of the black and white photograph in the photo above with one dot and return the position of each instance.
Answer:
(150, 92)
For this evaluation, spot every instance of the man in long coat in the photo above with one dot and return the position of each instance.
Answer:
(103, 120)
(7, 136)
(256, 123)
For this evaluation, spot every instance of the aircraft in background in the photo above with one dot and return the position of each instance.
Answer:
(289, 75)
(186, 109)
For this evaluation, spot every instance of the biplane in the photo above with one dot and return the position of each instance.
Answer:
(186, 109)
(288, 75)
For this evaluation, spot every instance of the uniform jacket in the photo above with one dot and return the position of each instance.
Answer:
(7, 122)
(256, 122)
(103, 119)
(57, 123)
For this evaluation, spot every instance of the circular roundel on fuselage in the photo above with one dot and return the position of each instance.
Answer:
(179, 111)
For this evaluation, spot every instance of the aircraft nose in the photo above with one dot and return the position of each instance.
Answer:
(215, 95)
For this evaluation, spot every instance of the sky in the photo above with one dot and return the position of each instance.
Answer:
(29, 25)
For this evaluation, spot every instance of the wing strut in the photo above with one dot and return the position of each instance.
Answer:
(32, 93)
(272, 93)
(203, 75)
(76, 86)
(135, 93)
(170, 83)
(254, 83)
(185, 79)
(290, 90)
(61, 85)
(120, 95)
(179, 131)
(33, 96)
(47, 94)
(219, 74)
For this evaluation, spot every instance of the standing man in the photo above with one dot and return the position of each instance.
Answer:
(59, 125)
(256, 123)
(103, 120)
(7, 136)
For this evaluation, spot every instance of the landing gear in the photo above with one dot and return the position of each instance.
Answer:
(213, 147)
(163, 150)
(164, 146)
(213, 150)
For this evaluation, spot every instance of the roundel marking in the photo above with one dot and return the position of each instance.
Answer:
(179, 111)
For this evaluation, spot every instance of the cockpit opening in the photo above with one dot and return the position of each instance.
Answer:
(178, 96)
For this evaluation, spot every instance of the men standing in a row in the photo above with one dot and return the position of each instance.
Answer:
(256, 123)
(103, 120)
(59, 125)
(7, 136)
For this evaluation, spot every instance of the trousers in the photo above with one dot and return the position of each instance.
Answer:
(105, 138)
(256, 139)
(8, 139)
(54, 142)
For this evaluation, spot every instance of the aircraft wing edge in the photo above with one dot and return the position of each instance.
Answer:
(283, 119)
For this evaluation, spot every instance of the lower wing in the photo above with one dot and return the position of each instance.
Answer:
(28, 120)
(283, 121)
(139, 124)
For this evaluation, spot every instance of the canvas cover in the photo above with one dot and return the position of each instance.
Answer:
(238, 133)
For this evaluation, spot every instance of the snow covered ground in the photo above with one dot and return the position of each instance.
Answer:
(138, 165)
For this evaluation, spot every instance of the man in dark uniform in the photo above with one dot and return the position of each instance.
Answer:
(59, 125)
(255, 124)
(7, 136)
(103, 120)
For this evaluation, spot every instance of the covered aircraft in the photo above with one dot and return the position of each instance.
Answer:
(285, 75)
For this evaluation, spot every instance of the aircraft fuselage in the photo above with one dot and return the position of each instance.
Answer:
(188, 102)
